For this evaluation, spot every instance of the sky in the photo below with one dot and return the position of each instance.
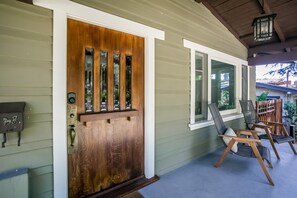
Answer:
(261, 70)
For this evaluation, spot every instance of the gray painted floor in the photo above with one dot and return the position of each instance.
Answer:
(237, 177)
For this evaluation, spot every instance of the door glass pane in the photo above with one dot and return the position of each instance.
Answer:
(89, 59)
(128, 81)
(103, 81)
(116, 81)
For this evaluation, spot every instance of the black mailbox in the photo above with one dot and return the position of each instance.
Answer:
(11, 119)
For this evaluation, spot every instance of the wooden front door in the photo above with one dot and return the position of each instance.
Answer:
(105, 108)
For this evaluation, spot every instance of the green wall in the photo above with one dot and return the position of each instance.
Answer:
(26, 75)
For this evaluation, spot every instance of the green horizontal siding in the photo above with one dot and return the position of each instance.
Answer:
(42, 175)
(27, 147)
(26, 75)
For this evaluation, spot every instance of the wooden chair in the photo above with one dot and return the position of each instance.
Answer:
(252, 123)
(246, 147)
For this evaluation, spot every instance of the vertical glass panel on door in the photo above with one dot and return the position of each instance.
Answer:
(128, 82)
(89, 62)
(103, 81)
(116, 81)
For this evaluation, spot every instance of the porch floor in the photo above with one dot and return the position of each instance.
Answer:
(236, 177)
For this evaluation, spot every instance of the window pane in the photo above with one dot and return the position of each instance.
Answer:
(198, 61)
(89, 55)
(244, 82)
(198, 93)
(200, 88)
(116, 81)
(103, 81)
(223, 85)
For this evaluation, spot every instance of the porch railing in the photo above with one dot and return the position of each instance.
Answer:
(270, 110)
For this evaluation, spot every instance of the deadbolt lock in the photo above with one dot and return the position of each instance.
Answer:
(71, 98)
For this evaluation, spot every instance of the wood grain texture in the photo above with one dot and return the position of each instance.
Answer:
(110, 144)
(107, 115)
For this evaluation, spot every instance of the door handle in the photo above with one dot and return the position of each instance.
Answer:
(72, 134)
(72, 138)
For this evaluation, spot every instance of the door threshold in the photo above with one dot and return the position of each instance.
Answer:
(125, 188)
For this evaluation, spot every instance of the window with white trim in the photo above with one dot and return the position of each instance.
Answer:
(216, 77)
(200, 90)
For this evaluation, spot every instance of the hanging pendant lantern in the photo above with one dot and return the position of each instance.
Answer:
(263, 27)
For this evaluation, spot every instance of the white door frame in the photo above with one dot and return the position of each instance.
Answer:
(63, 9)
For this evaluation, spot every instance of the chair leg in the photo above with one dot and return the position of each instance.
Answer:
(226, 151)
(271, 142)
(261, 162)
(269, 164)
(292, 147)
(285, 132)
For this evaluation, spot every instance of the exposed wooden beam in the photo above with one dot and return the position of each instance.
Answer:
(274, 58)
(272, 47)
(246, 36)
(221, 19)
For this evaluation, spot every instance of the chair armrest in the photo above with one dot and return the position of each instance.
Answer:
(275, 123)
(283, 130)
(262, 126)
(246, 132)
(242, 140)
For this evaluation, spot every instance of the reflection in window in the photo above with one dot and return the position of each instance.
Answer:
(200, 87)
(116, 81)
(244, 82)
(128, 81)
(103, 81)
(223, 85)
(89, 59)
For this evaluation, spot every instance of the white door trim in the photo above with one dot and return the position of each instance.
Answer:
(63, 9)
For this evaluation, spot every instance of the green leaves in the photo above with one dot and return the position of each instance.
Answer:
(263, 96)
(290, 108)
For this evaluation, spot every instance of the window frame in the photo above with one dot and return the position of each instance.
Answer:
(204, 72)
(212, 54)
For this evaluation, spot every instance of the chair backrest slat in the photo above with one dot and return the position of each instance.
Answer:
(217, 118)
(249, 112)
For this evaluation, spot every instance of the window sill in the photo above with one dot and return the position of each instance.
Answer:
(206, 123)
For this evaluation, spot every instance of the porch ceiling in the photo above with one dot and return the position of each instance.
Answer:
(238, 16)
